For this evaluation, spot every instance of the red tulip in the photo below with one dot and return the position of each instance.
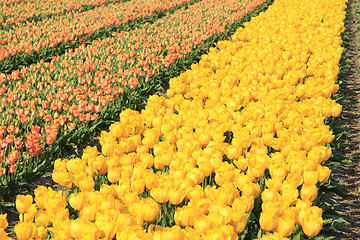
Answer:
(34, 93)
(11, 129)
(2, 170)
(29, 142)
(47, 118)
(35, 129)
(24, 119)
(2, 129)
(18, 143)
(10, 160)
(45, 104)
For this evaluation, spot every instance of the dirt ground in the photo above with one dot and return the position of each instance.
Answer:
(349, 175)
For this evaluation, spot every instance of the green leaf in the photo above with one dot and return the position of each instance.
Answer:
(7, 204)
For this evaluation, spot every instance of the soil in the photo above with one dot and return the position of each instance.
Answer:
(348, 175)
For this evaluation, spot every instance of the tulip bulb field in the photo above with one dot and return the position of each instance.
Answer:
(240, 145)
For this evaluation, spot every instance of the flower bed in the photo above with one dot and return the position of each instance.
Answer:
(17, 14)
(44, 39)
(102, 78)
(236, 150)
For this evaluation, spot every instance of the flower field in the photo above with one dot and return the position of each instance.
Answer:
(39, 39)
(237, 149)
(16, 14)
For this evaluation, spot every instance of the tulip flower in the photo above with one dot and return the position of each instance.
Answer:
(23, 203)
(269, 220)
(312, 225)
(3, 221)
(4, 235)
(308, 192)
(42, 218)
(25, 230)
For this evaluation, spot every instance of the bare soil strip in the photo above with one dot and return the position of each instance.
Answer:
(348, 175)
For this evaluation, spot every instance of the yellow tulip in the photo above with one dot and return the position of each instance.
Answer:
(269, 195)
(308, 192)
(41, 233)
(268, 220)
(195, 193)
(107, 149)
(150, 210)
(278, 171)
(86, 184)
(99, 164)
(77, 229)
(239, 226)
(151, 180)
(25, 230)
(160, 195)
(251, 189)
(65, 179)
(176, 196)
(114, 174)
(324, 173)
(286, 226)
(4, 235)
(202, 224)
(3, 221)
(23, 203)
(311, 177)
(107, 229)
(29, 215)
(185, 216)
(312, 225)
(42, 218)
